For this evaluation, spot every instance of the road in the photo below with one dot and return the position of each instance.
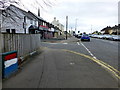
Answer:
(68, 64)
(104, 50)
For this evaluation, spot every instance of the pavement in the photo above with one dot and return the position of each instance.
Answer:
(55, 68)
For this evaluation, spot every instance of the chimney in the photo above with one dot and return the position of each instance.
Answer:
(54, 18)
(39, 12)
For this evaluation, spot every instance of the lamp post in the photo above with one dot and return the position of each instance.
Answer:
(66, 26)
(91, 29)
(76, 24)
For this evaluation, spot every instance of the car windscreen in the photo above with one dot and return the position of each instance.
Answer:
(85, 35)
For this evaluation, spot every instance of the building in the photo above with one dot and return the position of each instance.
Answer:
(59, 27)
(16, 20)
(115, 30)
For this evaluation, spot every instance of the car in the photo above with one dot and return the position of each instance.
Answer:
(94, 36)
(100, 36)
(108, 37)
(85, 37)
(79, 36)
(116, 38)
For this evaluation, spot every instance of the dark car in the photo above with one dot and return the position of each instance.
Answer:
(85, 37)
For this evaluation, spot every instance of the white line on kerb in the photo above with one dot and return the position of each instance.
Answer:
(88, 51)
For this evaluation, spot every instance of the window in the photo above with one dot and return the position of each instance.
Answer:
(13, 30)
(8, 30)
(31, 22)
(35, 22)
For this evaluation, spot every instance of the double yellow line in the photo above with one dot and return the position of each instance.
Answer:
(103, 64)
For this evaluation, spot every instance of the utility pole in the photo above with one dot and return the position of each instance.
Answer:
(76, 25)
(39, 12)
(91, 29)
(66, 26)
(38, 16)
(71, 31)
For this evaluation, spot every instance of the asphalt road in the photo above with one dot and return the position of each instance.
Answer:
(104, 50)
(57, 68)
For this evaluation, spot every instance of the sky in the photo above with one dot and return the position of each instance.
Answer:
(86, 15)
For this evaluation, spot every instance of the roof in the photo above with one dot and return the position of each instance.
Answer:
(35, 15)
(108, 27)
(28, 14)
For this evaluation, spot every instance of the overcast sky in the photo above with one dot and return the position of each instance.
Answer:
(95, 13)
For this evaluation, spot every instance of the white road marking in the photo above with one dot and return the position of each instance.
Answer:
(78, 43)
(72, 63)
(65, 43)
(58, 43)
(53, 43)
(88, 51)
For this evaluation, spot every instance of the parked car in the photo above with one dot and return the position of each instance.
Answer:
(116, 37)
(94, 36)
(108, 37)
(85, 37)
(79, 36)
(100, 36)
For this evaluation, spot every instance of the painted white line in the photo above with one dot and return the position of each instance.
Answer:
(72, 63)
(78, 43)
(53, 43)
(88, 51)
(65, 43)
(33, 52)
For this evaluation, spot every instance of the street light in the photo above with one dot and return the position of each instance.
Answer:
(76, 24)
(91, 29)
(66, 26)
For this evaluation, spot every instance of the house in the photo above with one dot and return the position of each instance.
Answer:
(106, 30)
(111, 30)
(16, 20)
(45, 28)
(59, 28)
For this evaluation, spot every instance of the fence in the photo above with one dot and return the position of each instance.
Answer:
(24, 44)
